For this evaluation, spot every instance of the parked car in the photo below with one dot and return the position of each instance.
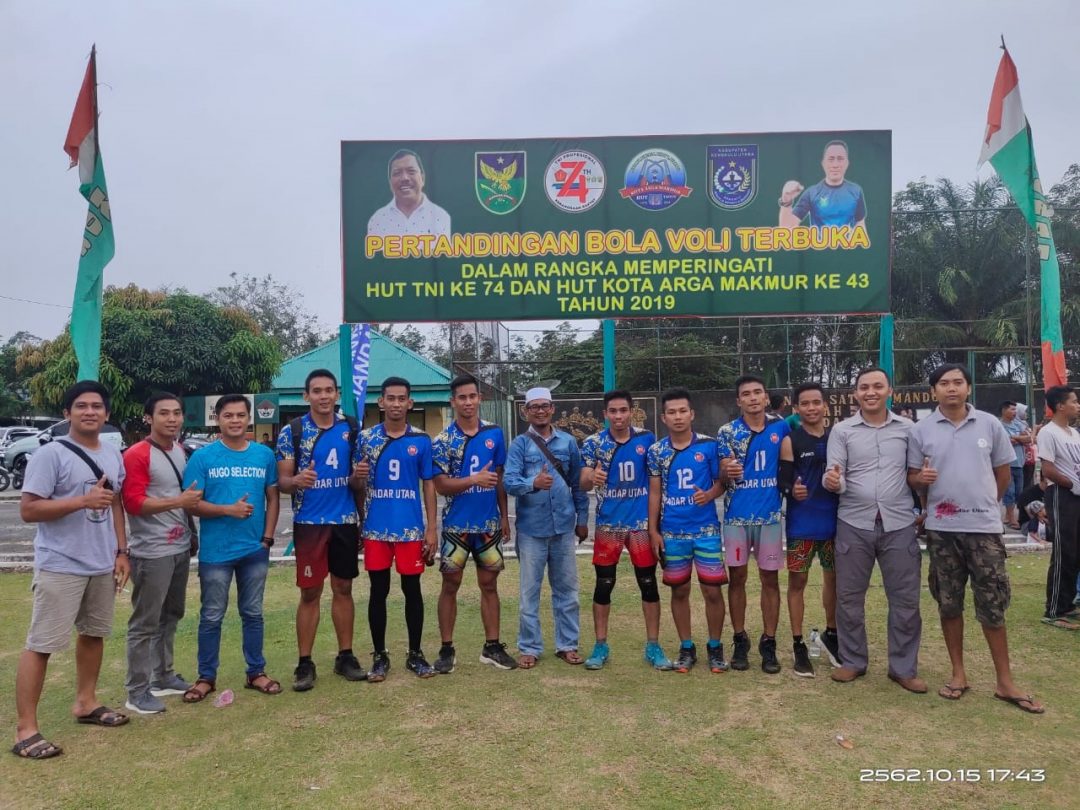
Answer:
(17, 453)
(8, 435)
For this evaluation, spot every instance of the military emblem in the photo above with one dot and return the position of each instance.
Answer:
(655, 179)
(732, 175)
(500, 180)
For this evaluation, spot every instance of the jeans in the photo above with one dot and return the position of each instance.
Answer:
(157, 605)
(215, 579)
(557, 554)
(1016, 486)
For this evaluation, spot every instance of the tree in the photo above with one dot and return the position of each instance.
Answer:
(14, 382)
(151, 341)
(277, 308)
(406, 335)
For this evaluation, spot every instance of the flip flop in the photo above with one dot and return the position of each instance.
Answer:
(950, 692)
(1019, 702)
(527, 662)
(103, 716)
(1060, 623)
(36, 747)
(570, 656)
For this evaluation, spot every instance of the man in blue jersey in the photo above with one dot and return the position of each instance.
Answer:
(834, 201)
(543, 471)
(326, 537)
(396, 468)
(238, 515)
(811, 524)
(615, 465)
(751, 450)
(684, 483)
(468, 460)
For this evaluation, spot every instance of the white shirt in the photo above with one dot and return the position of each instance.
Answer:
(1061, 447)
(427, 218)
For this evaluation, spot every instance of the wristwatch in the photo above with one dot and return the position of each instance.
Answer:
(125, 551)
(268, 542)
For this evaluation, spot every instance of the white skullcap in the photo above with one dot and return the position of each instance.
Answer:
(534, 394)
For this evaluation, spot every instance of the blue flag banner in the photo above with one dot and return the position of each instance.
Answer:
(361, 355)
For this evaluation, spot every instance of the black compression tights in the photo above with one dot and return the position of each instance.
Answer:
(414, 608)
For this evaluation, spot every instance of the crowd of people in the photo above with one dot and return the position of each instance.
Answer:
(103, 518)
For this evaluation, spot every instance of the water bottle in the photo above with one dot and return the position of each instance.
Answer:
(814, 647)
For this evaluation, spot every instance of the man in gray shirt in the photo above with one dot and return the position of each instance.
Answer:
(959, 458)
(162, 543)
(72, 493)
(867, 466)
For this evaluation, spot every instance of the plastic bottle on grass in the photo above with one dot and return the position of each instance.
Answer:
(814, 647)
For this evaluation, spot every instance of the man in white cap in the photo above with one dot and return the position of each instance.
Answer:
(543, 468)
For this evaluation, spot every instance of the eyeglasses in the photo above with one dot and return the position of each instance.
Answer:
(543, 406)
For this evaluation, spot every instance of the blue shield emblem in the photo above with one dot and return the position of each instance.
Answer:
(732, 175)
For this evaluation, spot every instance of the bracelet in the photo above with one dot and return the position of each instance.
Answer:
(125, 551)
(268, 542)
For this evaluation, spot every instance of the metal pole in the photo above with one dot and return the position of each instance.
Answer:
(1029, 370)
(975, 380)
(608, 327)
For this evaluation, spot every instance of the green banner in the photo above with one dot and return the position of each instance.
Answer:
(752, 224)
(267, 411)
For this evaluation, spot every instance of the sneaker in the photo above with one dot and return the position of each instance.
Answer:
(716, 659)
(173, 684)
(349, 668)
(770, 664)
(687, 658)
(654, 654)
(304, 676)
(600, 654)
(495, 655)
(444, 664)
(831, 642)
(145, 703)
(380, 665)
(740, 656)
(804, 668)
(416, 663)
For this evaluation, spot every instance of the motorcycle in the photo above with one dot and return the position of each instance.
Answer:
(5, 478)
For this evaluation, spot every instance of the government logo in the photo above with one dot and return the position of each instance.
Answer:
(575, 181)
(655, 179)
(732, 175)
(500, 180)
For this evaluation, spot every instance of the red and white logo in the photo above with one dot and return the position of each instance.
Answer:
(774, 438)
(412, 450)
(490, 444)
(699, 457)
(641, 449)
(575, 181)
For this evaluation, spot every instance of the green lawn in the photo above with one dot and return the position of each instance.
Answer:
(557, 735)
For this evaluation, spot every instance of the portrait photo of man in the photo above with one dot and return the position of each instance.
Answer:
(409, 211)
(834, 200)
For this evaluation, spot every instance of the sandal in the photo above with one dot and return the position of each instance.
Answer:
(1019, 701)
(570, 656)
(36, 747)
(1060, 623)
(527, 662)
(268, 687)
(103, 716)
(195, 694)
(950, 692)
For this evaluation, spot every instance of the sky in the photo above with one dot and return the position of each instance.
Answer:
(221, 122)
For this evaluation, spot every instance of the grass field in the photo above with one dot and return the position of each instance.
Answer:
(557, 735)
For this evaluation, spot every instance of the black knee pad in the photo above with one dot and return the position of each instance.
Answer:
(605, 584)
(646, 580)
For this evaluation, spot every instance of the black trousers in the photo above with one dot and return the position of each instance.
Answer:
(1063, 529)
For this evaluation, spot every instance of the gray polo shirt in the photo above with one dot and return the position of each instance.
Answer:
(873, 460)
(964, 497)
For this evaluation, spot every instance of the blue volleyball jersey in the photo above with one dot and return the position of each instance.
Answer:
(680, 471)
(754, 501)
(815, 517)
(831, 205)
(394, 510)
(330, 501)
(623, 504)
(458, 455)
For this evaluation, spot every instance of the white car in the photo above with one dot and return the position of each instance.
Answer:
(17, 453)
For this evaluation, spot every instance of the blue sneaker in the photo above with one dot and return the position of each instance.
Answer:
(654, 654)
(600, 654)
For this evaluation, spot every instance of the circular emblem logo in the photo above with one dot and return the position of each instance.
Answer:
(412, 450)
(575, 181)
(983, 443)
(699, 457)
(641, 449)
(655, 179)
(774, 438)
(490, 444)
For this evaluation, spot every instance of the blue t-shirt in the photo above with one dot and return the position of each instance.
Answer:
(623, 504)
(815, 517)
(696, 465)
(457, 454)
(330, 501)
(225, 476)
(394, 510)
(754, 501)
(831, 205)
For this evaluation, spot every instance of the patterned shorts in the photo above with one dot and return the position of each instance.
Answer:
(706, 554)
(800, 555)
(608, 546)
(956, 556)
(486, 550)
